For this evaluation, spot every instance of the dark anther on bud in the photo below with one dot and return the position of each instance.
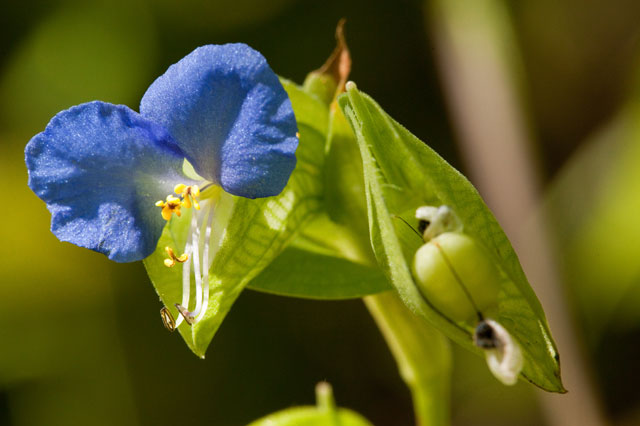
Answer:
(422, 226)
(484, 336)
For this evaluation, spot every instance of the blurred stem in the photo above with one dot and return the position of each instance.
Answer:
(326, 403)
(422, 353)
(324, 397)
(480, 68)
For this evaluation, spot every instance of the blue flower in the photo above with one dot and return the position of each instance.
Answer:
(101, 168)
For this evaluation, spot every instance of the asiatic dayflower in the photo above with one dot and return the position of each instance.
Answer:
(112, 178)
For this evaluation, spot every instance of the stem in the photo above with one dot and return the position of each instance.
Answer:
(326, 403)
(324, 397)
(423, 356)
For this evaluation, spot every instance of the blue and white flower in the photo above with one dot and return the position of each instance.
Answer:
(101, 168)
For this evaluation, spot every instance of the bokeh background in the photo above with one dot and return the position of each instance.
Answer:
(81, 340)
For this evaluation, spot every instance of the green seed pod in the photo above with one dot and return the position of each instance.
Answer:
(454, 273)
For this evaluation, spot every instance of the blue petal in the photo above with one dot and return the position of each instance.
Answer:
(100, 168)
(229, 113)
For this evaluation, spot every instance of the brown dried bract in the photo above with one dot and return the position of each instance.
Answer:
(339, 63)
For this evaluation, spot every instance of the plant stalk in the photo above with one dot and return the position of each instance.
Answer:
(422, 353)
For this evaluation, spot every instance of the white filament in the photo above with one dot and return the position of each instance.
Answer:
(195, 229)
(205, 266)
(186, 279)
(192, 248)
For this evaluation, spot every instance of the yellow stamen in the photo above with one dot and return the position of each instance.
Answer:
(186, 203)
(171, 261)
(189, 195)
(172, 205)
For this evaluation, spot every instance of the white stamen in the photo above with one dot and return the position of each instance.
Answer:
(196, 260)
(193, 249)
(205, 265)
(186, 279)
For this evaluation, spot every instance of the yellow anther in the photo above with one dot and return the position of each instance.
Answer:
(196, 205)
(195, 193)
(171, 261)
(172, 205)
(189, 195)
(186, 202)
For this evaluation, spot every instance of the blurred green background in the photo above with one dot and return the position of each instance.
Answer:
(81, 341)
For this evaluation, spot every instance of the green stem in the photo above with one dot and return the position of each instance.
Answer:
(422, 353)
(326, 403)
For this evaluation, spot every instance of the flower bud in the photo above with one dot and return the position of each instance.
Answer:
(456, 276)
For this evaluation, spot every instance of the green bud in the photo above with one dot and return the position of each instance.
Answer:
(454, 273)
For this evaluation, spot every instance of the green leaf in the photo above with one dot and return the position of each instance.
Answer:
(301, 273)
(402, 173)
(249, 233)
(344, 183)
(324, 414)
(332, 258)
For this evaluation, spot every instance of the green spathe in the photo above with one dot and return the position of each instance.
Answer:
(401, 173)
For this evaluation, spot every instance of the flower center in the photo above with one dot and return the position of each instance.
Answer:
(188, 197)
